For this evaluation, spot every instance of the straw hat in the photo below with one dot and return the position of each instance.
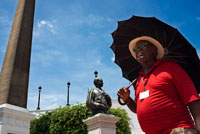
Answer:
(150, 39)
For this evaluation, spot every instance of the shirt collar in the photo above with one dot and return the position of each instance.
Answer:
(141, 73)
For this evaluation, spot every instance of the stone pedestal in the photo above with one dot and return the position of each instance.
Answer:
(14, 119)
(101, 124)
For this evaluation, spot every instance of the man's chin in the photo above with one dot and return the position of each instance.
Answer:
(140, 59)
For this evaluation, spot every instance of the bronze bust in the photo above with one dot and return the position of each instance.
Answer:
(98, 100)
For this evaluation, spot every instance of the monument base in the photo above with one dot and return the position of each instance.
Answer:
(101, 124)
(14, 119)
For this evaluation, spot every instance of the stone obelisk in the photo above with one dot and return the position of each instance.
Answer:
(15, 70)
(14, 78)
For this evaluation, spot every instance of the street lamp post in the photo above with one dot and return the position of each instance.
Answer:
(68, 85)
(40, 88)
(95, 73)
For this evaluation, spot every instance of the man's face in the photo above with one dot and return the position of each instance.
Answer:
(99, 83)
(145, 52)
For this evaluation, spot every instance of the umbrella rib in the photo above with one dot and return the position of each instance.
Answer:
(165, 39)
(121, 46)
(175, 48)
(138, 66)
(180, 54)
(136, 28)
(124, 35)
(177, 56)
(171, 41)
(178, 61)
(156, 35)
(124, 58)
(172, 59)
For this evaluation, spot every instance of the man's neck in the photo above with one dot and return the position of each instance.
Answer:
(148, 65)
(99, 88)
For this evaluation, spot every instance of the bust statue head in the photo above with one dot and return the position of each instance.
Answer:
(98, 82)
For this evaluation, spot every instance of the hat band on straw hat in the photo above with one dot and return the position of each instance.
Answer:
(160, 49)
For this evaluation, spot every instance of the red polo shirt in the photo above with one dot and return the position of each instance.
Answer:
(170, 90)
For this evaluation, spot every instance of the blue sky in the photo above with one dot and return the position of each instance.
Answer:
(71, 39)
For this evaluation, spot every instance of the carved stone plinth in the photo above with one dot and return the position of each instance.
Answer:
(14, 119)
(101, 124)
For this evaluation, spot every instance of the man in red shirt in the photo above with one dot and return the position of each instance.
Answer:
(163, 92)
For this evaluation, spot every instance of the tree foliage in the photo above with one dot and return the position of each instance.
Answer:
(69, 120)
(123, 124)
(40, 125)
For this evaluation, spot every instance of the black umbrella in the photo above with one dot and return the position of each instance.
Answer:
(176, 47)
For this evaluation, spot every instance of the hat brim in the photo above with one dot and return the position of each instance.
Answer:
(150, 39)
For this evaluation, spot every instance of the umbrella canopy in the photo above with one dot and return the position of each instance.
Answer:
(176, 47)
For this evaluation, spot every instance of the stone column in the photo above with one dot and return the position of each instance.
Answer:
(101, 124)
(15, 70)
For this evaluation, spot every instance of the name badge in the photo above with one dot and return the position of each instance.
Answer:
(144, 94)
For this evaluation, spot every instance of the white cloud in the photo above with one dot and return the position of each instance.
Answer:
(198, 52)
(98, 21)
(44, 27)
(198, 18)
(47, 101)
(5, 20)
(98, 62)
(47, 57)
(47, 23)
(94, 19)
(91, 20)
(88, 59)
(113, 59)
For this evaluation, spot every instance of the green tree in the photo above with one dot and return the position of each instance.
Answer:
(69, 120)
(40, 125)
(123, 124)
